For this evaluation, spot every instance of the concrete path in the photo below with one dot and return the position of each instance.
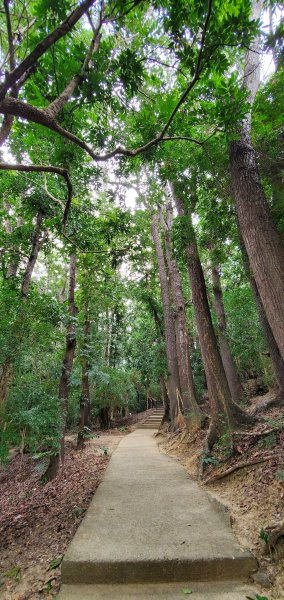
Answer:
(151, 527)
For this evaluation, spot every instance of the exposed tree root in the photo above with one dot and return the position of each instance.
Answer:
(242, 465)
(211, 438)
(274, 533)
(277, 400)
(242, 418)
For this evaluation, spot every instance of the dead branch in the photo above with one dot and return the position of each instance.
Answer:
(242, 465)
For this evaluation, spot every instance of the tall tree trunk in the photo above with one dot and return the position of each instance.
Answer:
(226, 355)
(173, 383)
(262, 241)
(85, 407)
(225, 414)
(276, 358)
(188, 391)
(57, 459)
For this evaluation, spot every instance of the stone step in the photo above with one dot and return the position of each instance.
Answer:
(229, 590)
(157, 570)
(155, 417)
(148, 426)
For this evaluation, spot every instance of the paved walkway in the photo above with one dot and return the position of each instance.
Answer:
(149, 528)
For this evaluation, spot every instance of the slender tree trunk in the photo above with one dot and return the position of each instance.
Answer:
(225, 414)
(5, 379)
(104, 417)
(15, 259)
(262, 241)
(173, 377)
(226, 355)
(188, 391)
(109, 336)
(114, 337)
(36, 245)
(85, 407)
(276, 358)
(57, 459)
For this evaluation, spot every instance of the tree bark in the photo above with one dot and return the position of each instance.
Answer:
(276, 358)
(57, 460)
(104, 417)
(166, 402)
(262, 241)
(173, 383)
(85, 407)
(5, 379)
(226, 355)
(188, 390)
(225, 414)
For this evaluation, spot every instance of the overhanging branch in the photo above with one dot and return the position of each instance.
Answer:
(32, 58)
(45, 169)
(11, 106)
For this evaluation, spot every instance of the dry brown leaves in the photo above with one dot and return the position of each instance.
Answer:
(38, 521)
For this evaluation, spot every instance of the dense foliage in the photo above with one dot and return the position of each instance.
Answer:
(136, 100)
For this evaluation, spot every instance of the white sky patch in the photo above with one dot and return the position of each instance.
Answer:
(130, 199)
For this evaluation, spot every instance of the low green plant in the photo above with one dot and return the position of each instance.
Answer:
(263, 535)
(267, 442)
(77, 512)
(56, 562)
(48, 585)
(257, 597)
(224, 445)
(210, 460)
(280, 475)
(14, 573)
(275, 422)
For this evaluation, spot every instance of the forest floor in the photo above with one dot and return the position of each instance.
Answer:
(38, 521)
(254, 495)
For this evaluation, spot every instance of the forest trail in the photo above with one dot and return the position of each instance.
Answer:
(152, 532)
